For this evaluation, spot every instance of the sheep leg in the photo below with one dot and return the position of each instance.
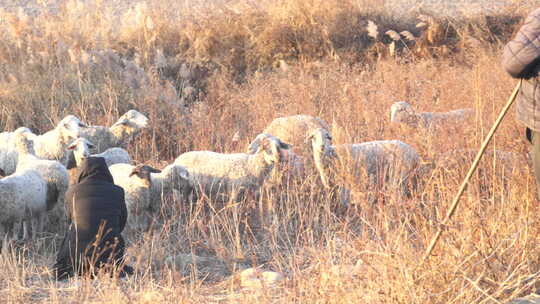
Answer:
(17, 230)
(5, 236)
(26, 229)
(40, 223)
(34, 222)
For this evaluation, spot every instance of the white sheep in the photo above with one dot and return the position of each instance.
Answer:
(52, 145)
(291, 166)
(230, 176)
(292, 130)
(80, 149)
(387, 164)
(8, 154)
(119, 134)
(403, 112)
(23, 197)
(53, 172)
(144, 188)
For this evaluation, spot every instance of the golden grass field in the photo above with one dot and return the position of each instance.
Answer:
(203, 72)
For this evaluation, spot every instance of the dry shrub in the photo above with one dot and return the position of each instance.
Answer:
(94, 61)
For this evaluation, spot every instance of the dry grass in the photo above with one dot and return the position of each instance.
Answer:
(203, 74)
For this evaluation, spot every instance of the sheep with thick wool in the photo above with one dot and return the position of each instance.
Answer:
(119, 134)
(145, 186)
(291, 166)
(292, 130)
(403, 112)
(23, 197)
(8, 154)
(387, 164)
(53, 172)
(80, 150)
(230, 176)
(52, 145)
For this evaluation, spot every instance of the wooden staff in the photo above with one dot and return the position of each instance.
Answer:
(479, 155)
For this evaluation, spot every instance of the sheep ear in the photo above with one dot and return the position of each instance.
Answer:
(69, 126)
(254, 146)
(273, 149)
(153, 170)
(71, 163)
(121, 122)
(136, 171)
(283, 145)
(264, 144)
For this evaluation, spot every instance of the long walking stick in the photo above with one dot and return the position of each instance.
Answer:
(479, 155)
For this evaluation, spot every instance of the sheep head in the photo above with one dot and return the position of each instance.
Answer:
(23, 144)
(177, 176)
(254, 145)
(272, 147)
(401, 112)
(26, 132)
(320, 140)
(129, 125)
(143, 172)
(289, 162)
(70, 128)
(134, 119)
(23, 130)
(277, 143)
(79, 151)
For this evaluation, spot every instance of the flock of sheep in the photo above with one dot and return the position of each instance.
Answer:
(36, 170)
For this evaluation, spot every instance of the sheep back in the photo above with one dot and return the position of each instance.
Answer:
(294, 129)
(115, 156)
(101, 137)
(20, 192)
(217, 173)
(390, 161)
(54, 173)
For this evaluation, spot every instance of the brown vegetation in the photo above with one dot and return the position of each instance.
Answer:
(206, 73)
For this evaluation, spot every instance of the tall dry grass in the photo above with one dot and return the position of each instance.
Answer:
(203, 73)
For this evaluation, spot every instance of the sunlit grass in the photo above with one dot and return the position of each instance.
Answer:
(202, 74)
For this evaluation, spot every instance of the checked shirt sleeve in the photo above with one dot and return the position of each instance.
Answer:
(522, 54)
